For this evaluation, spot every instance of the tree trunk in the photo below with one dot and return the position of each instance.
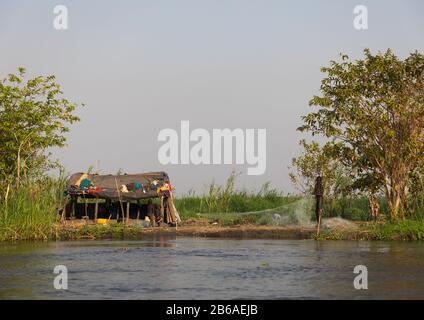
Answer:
(395, 199)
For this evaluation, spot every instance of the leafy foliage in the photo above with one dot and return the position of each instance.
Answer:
(33, 117)
(372, 111)
(316, 161)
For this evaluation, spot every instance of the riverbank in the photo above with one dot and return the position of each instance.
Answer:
(31, 213)
(191, 228)
(333, 229)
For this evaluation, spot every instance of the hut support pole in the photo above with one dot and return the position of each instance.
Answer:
(96, 209)
(138, 210)
(86, 207)
(162, 210)
(128, 213)
(74, 204)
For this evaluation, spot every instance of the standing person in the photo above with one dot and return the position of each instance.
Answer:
(319, 198)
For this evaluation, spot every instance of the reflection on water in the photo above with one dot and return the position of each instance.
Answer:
(186, 268)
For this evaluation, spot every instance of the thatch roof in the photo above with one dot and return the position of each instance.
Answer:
(110, 186)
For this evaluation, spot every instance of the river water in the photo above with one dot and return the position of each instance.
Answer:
(192, 268)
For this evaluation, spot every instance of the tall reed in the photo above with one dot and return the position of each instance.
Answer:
(30, 211)
(226, 199)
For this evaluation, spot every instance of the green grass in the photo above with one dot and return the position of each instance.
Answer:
(404, 230)
(30, 212)
(110, 231)
(189, 207)
(401, 230)
(222, 203)
(352, 208)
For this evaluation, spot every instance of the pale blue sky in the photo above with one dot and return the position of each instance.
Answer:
(247, 64)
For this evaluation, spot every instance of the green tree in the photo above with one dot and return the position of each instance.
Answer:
(33, 117)
(316, 161)
(372, 111)
(416, 190)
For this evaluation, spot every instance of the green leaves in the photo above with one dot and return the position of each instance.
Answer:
(319, 161)
(374, 107)
(33, 117)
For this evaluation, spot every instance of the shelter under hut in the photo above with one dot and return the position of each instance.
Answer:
(126, 197)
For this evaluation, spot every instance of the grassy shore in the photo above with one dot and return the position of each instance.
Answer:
(31, 213)
(406, 230)
(226, 206)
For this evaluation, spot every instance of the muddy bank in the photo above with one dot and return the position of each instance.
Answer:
(82, 230)
(332, 229)
(241, 232)
(261, 232)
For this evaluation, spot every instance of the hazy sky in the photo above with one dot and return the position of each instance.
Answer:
(142, 66)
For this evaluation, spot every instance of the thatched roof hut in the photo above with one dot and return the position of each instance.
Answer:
(128, 189)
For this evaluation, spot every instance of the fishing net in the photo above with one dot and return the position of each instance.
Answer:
(297, 213)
